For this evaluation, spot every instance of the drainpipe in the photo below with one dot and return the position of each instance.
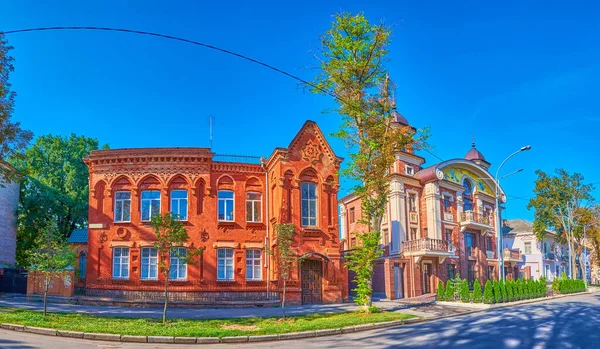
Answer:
(267, 243)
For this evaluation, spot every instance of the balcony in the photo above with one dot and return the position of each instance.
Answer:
(549, 256)
(564, 259)
(427, 247)
(512, 256)
(448, 216)
(475, 220)
(490, 254)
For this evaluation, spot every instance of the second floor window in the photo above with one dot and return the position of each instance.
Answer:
(122, 206)
(448, 234)
(150, 204)
(253, 265)
(489, 244)
(309, 204)
(413, 233)
(412, 202)
(179, 203)
(469, 243)
(352, 218)
(120, 263)
(447, 205)
(178, 269)
(149, 264)
(225, 264)
(225, 198)
(527, 247)
(253, 207)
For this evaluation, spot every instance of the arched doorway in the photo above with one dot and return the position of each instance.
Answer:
(311, 274)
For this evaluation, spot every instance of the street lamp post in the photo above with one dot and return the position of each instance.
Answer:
(498, 217)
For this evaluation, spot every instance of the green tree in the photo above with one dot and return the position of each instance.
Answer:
(560, 204)
(509, 291)
(285, 255)
(465, 294)
(450, 291)
(171, 237)
(497, 291)
(503, 291)
(353, 53)
(477, 293)
(488, 293)
(51, 259)
(13, 139)
(55, 188)
(441, 292)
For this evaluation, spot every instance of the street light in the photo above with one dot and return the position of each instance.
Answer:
(498, 218)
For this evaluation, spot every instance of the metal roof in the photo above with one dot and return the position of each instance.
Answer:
(78, 236)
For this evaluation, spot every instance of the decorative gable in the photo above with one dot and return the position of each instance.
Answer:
(310, 145)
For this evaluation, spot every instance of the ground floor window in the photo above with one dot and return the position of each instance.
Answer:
(149, 264)
(253, 265)
(225, 264)
(471, 273)
(450, 271)
(490, 272)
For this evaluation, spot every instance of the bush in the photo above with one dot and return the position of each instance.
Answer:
(465, 295)
(556, 285)
(450, 291)
(374, 310)
(503, 290)
(571, 286)
(521, 289)
(488, 294)
(441, 292)
(509, 291)
(477, 293)
(497, 292)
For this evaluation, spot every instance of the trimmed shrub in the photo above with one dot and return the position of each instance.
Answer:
(477, 293)
(488, 294)
(497, 292)
(465, 295)
(556, 285)
(571, 286)
(521, 290)
(503, 290)
(450, 291)
(441, 292)
(509, 291)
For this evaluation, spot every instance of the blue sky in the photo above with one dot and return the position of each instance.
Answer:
(511, 73)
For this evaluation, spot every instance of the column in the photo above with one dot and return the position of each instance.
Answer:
(434, 211)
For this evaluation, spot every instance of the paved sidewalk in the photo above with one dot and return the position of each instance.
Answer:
(423, 310)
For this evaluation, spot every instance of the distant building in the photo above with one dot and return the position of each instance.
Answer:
(438, 222)
(78, 241)
(545, 257)
(9, 201)
(229, 208)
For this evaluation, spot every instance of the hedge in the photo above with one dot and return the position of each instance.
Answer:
(566, 286)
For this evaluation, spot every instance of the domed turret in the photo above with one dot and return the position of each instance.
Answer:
(477, 157)
(399, 118)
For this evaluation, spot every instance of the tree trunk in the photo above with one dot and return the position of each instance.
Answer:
(166, 299)
(46, 283)
(283, 299)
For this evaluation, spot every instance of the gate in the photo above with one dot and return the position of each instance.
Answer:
(312, 272)
(13, 281)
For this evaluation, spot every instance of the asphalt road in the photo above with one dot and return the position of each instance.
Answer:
(571, 322)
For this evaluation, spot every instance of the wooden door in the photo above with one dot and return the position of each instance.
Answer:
(312, 273)
(426, 278)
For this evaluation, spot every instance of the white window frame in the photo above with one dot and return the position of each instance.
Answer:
(123, 260)
(177, 202)
(225, 262)
(409, 170)
(148, 261)
(225, 206)
(122, 202)
(310, 221)
(178, 263)
(254, 264)
(253, 209)
(142, 201)
(525, 245)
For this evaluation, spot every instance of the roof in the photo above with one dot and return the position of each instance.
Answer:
(474, 154)
(519, 226)
(399, 118)
(78, 236)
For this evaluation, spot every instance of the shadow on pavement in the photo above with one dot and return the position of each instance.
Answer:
(11, 344)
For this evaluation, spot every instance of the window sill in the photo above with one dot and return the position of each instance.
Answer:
(156, 279)
(228, 280)
(254, 223)
(254, 280)
(178, 280)
(122, 222)
(120, 279)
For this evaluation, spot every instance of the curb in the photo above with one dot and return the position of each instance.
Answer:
(263, 338)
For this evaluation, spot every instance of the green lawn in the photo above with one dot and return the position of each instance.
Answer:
(193, 328)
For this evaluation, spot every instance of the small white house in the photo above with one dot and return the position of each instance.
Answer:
(544, 258)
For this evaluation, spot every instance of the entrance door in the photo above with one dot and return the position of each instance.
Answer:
(398, 281)
(311, 281)
(426, 278)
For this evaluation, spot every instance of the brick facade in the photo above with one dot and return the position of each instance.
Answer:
(277, 180)
(9, 201)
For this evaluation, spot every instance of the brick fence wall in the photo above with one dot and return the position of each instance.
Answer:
(9, 199)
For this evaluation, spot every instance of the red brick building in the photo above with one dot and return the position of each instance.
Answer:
(439, 221)
(229, 208)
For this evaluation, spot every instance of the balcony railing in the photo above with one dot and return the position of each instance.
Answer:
(512, 254)
(449, 216)
(549, 256)
(426, 244)
(476, 217)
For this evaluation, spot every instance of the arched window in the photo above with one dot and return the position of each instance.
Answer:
(82, 264)
(468, 195)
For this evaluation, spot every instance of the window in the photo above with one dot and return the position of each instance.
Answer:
(489, 244)
(225, 264)
(471, 273)
(149, 264)
(412, 202)
(487, 211)
(385, 233)
(352, 218)
(468, 195)
(447, 204)
(309, 204)
(122, 206)
(353, 242)
(253, 265)
(253, 207)
(557, 271)
(547, 269)
(450, 271)
(448, 234)
(385, 213)
(82, 264)
(225, 198)
(178, 270)
(546, 247)
(469, 244)
(121, 263)
(527, 247)
(490, 272)
(150, 204)
(179, 204)
(409, 170)
(413, 233)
